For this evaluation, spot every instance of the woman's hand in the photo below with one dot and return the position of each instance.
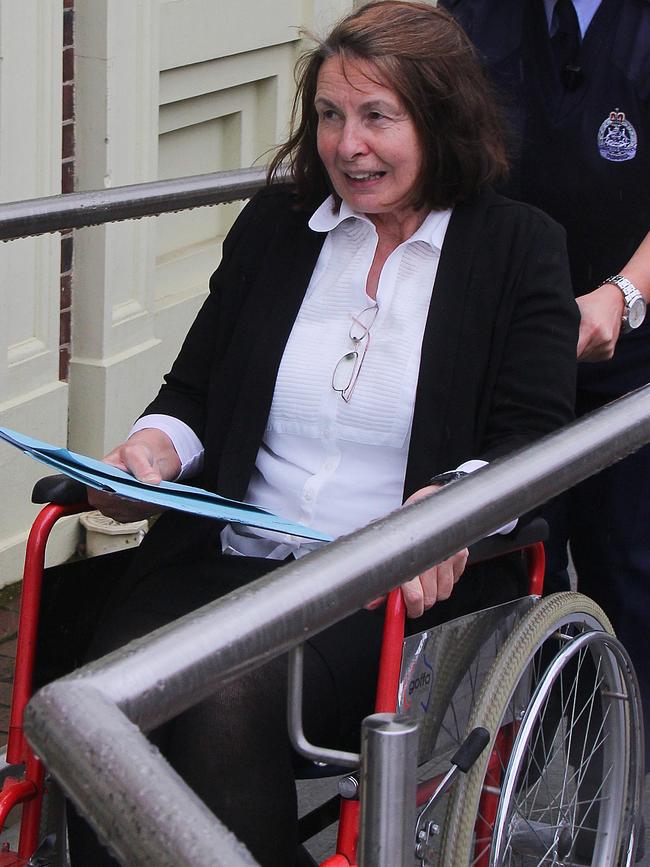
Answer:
(150, 456)
(434, 584)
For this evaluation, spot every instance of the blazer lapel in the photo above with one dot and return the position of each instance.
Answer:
(441, 349)
(275, 299)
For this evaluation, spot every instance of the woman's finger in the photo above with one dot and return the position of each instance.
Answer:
(376, 603)
(460, 561)
(138, 460)
(413, 595)
(444, 580)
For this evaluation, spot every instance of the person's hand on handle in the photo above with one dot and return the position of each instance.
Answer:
(150, 456)
(434, 584)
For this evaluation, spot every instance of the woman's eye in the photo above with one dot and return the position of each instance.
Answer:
(328, 114)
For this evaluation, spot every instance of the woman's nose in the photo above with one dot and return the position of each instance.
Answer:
(352, 142)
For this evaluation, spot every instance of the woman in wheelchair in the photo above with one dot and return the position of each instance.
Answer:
(383, 318)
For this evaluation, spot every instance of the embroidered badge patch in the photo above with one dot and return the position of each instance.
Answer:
(617, 138)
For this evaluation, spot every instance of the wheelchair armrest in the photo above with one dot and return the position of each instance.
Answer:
(535, 530)
(60, 490)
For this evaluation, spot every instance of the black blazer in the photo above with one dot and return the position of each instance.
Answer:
(498, 357)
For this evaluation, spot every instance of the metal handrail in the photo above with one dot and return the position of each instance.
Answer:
(76, 210)
(85, 726)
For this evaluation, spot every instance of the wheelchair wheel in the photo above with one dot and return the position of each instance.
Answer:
(561, 781)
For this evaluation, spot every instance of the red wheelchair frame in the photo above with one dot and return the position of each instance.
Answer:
(29, 788)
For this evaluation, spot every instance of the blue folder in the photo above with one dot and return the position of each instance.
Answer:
(167, 495)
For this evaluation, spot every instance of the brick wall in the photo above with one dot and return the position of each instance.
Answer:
(67, 186)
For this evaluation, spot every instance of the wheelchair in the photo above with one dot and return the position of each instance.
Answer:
(531, 731)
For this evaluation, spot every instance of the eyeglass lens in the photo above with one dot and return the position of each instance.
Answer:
(348, 367)
(344, 373)
(363, 322)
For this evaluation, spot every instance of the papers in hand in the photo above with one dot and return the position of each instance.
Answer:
(167, 495)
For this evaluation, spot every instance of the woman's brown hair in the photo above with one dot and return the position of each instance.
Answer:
(426, 58)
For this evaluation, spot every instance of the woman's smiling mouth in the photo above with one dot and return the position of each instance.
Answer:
(364, 176)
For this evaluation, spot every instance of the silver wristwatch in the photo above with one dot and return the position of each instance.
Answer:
(635, 306)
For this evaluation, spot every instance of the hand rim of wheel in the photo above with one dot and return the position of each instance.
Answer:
(527, 724)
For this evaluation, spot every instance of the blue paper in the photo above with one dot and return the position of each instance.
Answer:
(168, 495)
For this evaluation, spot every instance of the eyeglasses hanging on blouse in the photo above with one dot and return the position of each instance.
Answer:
(347, 370)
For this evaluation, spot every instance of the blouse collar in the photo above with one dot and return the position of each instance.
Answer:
(327, 217)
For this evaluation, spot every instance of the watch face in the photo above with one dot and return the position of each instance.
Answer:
(636, 313)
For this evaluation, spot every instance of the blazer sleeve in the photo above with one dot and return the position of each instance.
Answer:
(184, 393)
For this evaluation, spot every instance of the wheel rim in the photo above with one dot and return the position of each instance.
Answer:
(564, 789)
(501, 708)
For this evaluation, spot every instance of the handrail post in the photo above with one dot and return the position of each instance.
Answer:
(389, 750)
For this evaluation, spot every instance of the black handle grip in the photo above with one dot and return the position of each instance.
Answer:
(535, 530)
(60, 490)
(470, 749)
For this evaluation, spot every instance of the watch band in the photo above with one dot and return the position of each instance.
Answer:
(635, 306)
(447, 478)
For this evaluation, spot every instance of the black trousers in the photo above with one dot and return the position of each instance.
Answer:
(233, 748)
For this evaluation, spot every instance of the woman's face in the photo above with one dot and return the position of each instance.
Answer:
(367, 141)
